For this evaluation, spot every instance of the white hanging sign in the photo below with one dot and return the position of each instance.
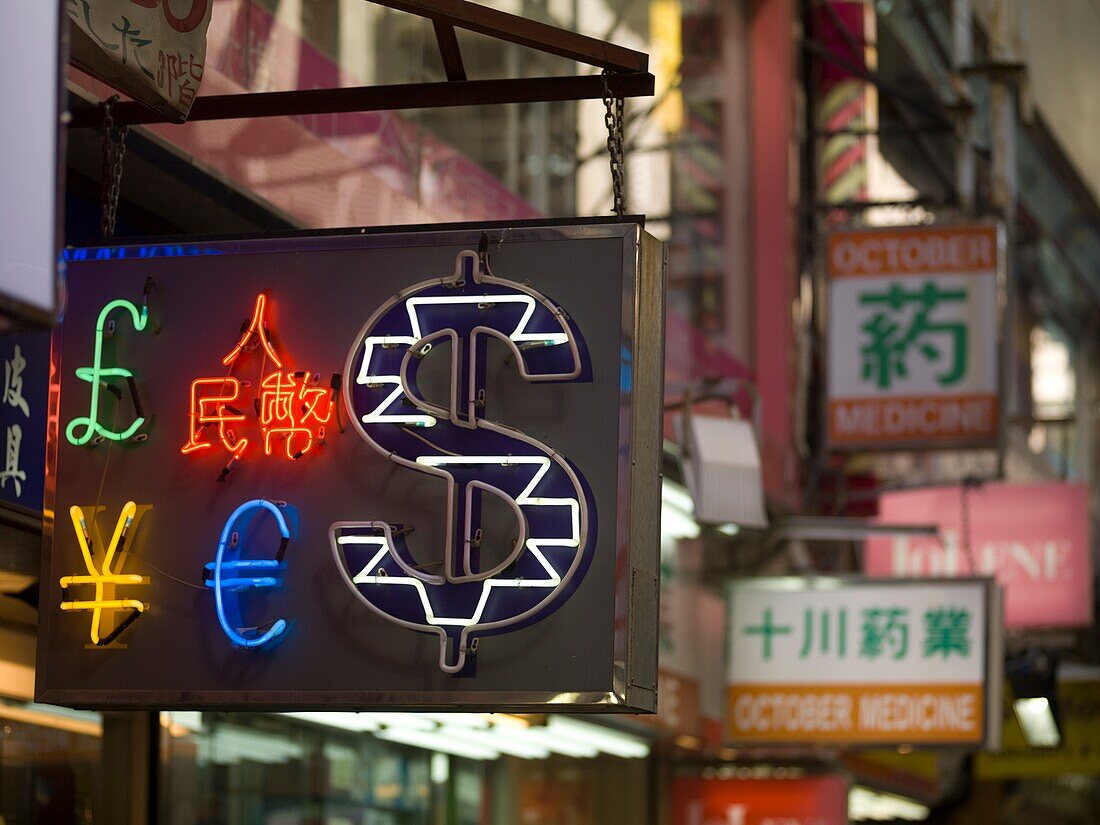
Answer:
(153, 50)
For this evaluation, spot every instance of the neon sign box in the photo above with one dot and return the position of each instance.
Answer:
(473, 521)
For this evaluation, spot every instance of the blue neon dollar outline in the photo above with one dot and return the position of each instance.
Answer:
(95, 372)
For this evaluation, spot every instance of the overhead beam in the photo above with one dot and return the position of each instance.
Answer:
(531, 33)
(381, 98)
(448, 50)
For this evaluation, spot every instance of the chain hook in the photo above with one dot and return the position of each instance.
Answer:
(613, 120)
(114, 149)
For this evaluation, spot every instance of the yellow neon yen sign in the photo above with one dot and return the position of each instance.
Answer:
(104, 578)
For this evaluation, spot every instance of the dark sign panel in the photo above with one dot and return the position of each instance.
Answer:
(358, 470)
(26, 377)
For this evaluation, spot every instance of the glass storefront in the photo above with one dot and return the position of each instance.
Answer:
(64, 766)
(50, 764)
(223, 768)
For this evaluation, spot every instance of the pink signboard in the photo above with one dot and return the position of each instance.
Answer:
(1034, 538)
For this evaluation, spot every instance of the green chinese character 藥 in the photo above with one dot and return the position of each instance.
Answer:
(947, 630)
(885, 628)
(891, 339)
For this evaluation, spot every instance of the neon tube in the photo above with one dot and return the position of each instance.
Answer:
(385, 360)
(103, 576)
(94, 375)
(258, 327)
(227, 590)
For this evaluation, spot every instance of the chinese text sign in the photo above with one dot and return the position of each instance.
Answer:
(26, 371)
(851, 661)
(913, 337)
(154, 50)
(1034, 538)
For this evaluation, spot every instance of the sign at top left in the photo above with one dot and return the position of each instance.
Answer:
(154, 50)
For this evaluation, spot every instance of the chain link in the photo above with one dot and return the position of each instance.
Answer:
(114, 150)
(613, 120)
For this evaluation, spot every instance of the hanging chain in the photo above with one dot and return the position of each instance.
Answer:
(964, 526)
(114, 150)
(613, 120)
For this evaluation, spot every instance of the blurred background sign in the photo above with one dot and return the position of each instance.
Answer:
(1034, 538)
(913, 337)
(810, 800)
(835, 660)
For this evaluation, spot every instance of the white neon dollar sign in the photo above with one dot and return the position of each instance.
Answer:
(555, 518)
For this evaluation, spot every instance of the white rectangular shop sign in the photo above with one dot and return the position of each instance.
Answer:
(913, 337)
(153, 50)
(855, 661)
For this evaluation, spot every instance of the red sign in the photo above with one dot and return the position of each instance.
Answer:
(1034, 538)
(815, 800)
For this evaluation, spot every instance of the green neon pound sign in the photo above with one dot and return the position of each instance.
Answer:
(82, 430)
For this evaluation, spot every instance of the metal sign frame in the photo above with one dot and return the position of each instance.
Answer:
(627, 74)
(633, 680)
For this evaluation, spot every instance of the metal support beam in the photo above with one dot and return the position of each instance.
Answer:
(382, 98)
(449, 51)
(843, 528)
(515, 29)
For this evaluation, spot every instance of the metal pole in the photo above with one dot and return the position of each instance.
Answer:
(1005, 191)
(962, 55)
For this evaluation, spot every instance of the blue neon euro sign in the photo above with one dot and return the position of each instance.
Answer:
(231, 576)
(555, 518)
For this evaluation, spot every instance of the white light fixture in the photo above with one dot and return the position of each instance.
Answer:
(438, 742)
(439, 769)
(1034, 680)
(1036, 718)
(355, 722)
(412, 721)
(557, 744)
(722, 470)
(677, 512)
(599, 737)
(229, 744)
(459, 720)
(867, 805)
(505, 741)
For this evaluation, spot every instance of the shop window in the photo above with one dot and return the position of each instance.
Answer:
(50, 765)
(242, 768)
(1054, 398)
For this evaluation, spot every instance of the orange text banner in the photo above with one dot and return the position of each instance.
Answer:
(876, 420)
(856, 713)
(913, 251)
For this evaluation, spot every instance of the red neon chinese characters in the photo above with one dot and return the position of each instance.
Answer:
(215, 409)
(291, 407)
(257, 327)
(288, 405)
